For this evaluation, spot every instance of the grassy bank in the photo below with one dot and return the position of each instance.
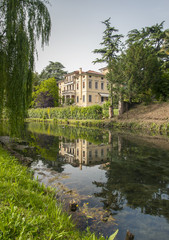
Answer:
(152, 118)
(28, 210)
(151, 127)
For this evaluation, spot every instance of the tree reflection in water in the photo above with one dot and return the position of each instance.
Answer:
(137, 176)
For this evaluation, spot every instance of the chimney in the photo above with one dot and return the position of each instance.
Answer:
(80, 70)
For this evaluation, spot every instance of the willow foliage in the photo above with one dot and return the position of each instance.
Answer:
(22, 23)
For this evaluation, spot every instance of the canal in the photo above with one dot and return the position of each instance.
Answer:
(117, 180)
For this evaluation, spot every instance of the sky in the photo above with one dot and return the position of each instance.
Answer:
(77, 28)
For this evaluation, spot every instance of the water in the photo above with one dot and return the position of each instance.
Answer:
(119, 181)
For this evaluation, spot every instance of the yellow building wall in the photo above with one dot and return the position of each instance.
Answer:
(83, 92)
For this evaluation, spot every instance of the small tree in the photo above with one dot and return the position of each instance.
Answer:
(47, 91)
(111, 47)
(44, 99)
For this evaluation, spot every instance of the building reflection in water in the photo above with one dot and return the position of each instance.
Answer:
(81, 152)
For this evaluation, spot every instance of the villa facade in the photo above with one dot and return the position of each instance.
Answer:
(85, 88)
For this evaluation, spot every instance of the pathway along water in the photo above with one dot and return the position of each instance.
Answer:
(117, 181)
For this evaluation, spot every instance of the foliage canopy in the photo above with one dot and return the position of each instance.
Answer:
(53, 70)
(46, 94)
(137, 70)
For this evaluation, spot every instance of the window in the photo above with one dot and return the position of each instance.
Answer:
(102, 99)
(96, 153)
(77, 86)
(90, 76)
(77, 152)
(83, 153)
(90, 154)
(90, 98)
(83, 141)
(102, 85)
(83, 84)
(96, 85)
(77, 99)
(83, 98)
(102, 152)
(101, 77)
(90, 84)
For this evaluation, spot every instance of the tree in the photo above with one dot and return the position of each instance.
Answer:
(165, 46)
(144, 64)
(22, 23)
(111, 47)
(44, 99)
(46, 94)
(35, 80)
(54, 69)
(141, 73)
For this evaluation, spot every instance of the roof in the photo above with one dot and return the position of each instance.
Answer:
(61, 80)
(74, 72)
(93, 72)
(104, 94)
(88, 72)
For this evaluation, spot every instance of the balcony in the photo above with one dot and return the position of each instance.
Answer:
(66, 83)
(68, 92)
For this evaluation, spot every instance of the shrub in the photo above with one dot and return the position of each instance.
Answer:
(72, 112)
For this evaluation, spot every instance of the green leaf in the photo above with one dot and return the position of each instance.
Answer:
(113, 235)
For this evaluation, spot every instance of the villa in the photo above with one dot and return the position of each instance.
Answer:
(84, 88)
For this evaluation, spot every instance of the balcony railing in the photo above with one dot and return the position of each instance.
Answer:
(65, 92)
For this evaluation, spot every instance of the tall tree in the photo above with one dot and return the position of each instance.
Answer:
(22, 23)
(144, 64)
(109, 54)
(53, 70)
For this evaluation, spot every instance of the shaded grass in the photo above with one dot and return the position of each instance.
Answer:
(28, 210)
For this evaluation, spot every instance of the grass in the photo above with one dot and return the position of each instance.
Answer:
(29, 210)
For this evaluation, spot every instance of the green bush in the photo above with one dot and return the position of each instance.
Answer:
(106, 106)
(72, 112)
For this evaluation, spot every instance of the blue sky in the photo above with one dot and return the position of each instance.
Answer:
(77, 28)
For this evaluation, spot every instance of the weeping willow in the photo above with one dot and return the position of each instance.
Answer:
(22, 24)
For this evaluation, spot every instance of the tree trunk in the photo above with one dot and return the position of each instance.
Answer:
(121, 107)
(111, 112)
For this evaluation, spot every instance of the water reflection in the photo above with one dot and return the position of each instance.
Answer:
(126, 176)
(81, 152)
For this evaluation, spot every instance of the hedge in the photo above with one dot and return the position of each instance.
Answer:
(72, 112)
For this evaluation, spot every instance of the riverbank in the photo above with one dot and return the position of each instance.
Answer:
(29, 210)
(152, 119)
